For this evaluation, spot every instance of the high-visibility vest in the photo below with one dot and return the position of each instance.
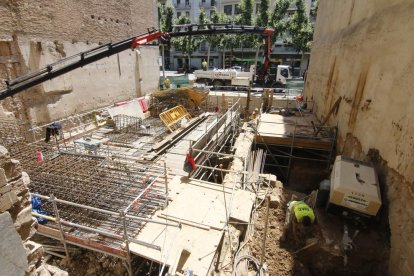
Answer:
(301, 210)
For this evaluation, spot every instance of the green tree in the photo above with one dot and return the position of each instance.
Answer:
(300, 29)
(278, 19)
(167, 17)
(186, 44)
(160, 9)
(263, 15)
(246, 12)
(203, 20)
(314, 9)
(217, 41)
(245, 18)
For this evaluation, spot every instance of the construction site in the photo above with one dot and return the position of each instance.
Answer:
(107, 169)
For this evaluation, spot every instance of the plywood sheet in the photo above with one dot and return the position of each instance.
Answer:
(201, 208)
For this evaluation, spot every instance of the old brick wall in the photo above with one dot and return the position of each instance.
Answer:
(36, 33)
(363, 53)
(76, 20)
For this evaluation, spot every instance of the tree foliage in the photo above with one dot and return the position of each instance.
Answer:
(246, 12)
(186, 44)
(278, 19)
(300, 29)
(263, 14)
(314, 9)
(166, 17)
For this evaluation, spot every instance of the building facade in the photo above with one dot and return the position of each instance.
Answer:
(281, 53)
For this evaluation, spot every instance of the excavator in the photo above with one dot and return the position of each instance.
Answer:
(79, 60)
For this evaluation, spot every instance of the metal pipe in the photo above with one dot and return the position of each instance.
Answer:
(265, 232)
(52, 199)
(126, 241)
(166, 184)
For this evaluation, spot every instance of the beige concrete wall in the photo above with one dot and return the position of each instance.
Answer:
(36, 33)
(363, 52)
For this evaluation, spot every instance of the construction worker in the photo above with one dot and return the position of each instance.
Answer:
(167, 83)
(204, 65)
(300, 220)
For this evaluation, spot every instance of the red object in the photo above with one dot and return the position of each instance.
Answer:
(39, 156)
(216, 109)
(299, 98)
(268, 35)
(142, 40)
(191, 161)
(143, 104)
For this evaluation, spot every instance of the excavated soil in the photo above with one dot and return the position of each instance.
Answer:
(370, 256)
(279, 258)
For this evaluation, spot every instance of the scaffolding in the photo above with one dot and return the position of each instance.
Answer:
(218, 138)
(286, 142)
(101, 199)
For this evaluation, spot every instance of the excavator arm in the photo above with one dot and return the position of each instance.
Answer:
(84, 58)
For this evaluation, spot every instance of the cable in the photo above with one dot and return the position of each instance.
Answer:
(251, 259)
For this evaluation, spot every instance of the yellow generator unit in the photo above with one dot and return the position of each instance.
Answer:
(354, 186)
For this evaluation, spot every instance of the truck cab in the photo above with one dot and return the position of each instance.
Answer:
(280, 77)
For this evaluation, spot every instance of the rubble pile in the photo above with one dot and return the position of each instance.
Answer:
(87, 262)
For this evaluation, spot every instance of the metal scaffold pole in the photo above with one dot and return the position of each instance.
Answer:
(126, 240)
(62, 234)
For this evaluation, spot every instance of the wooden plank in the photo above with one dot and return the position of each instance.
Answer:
(287, 141)
(274, 129)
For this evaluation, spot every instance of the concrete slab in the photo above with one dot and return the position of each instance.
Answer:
(200, 207)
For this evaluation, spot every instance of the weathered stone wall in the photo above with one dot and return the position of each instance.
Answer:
(18, 255)
(36, 33)
(363, 53)
(67, 20)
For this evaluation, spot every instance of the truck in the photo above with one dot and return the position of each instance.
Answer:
(233, 77)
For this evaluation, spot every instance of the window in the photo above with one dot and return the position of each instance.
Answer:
(178, 14)
(236, 9)
(203, 1)
(284, 73)
(228, 9)
(213, 3)
(203, 47)
(257, 8)
(187, 2)
(178, 2)
(187, 13)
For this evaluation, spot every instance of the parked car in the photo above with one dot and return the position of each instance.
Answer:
(237, 68)
(213, 68)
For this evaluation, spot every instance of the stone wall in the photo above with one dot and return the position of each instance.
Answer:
(18, 255)
(36, 33)
(363, 53)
